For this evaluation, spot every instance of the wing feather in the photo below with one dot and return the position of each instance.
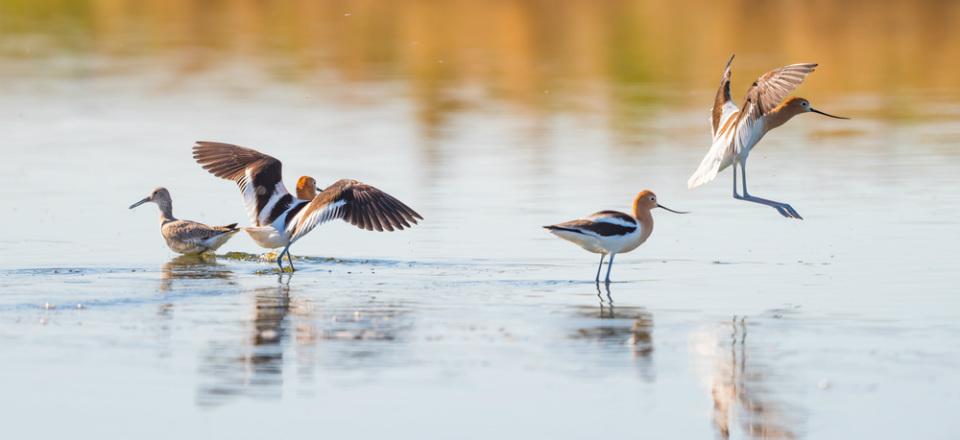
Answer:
(258, 175)
(598, 229)
(772, 87)
(723, 104)
(357, 203)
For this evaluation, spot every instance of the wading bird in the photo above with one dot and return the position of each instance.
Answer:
(280, 219)
(737, 130)
(185, 236)
(612, 232)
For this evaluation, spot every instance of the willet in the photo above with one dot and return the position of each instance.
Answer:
(185, 236)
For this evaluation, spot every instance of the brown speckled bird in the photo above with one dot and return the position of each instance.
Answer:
(185, 236)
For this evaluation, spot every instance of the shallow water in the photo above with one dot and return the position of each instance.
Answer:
(490, 121)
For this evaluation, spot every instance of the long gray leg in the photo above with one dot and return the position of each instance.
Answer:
(609, 266)
(285, 250)
(735, 195)
(597, 280)
(783, 208)
(280, 259)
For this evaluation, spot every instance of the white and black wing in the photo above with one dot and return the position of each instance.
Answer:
(602, 224)
(258, 175)
(723, 105)
(723, 120)
(356, 203)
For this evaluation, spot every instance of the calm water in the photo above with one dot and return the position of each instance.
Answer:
(490, 119)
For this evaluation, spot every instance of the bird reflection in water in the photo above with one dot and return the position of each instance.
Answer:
(191, 267)
(348, 332)
(738, 391)
(175, 274)
(620, 326)
(255, 367)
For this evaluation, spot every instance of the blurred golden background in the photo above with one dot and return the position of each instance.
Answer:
(540, 56)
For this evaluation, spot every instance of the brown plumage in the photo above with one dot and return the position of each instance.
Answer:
(231, 161)
(235, 163)
(359, 204)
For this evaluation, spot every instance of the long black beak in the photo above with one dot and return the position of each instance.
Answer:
(142, 201)
(826, 114)
(675, 212)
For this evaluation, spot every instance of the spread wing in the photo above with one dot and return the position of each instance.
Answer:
(723, 105)
(735, 129)
(772, 87)
(258, 176)
(357, 203)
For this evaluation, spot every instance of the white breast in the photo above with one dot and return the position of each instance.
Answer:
(622, 243)
(267, 237)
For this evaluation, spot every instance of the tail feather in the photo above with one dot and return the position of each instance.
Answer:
(706, 172)
(719, 157)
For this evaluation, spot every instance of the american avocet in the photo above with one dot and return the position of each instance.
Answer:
(736, 131)
(280, 219)
(185, 236)
(612, 232)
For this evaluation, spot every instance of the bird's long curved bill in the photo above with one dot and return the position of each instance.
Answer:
(827, 114)
(675, 212)
(142, 201)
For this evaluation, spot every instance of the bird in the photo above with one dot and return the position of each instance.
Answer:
(612, 232)
(185, 236)
(279, 218)
(737, 130)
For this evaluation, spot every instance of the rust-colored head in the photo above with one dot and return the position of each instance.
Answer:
(796, 105)
(306, 188)
(646, 201)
